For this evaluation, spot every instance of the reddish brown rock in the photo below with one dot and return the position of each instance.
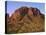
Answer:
(26, 19)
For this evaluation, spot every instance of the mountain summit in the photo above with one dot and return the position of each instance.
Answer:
(26, 19)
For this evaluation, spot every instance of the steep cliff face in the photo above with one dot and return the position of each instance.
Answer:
(26, 19)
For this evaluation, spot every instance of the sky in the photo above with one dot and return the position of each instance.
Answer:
(13, 5)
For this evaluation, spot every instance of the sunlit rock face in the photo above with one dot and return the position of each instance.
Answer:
(26, 19)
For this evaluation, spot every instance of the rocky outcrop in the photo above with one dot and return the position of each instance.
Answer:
(26, 19)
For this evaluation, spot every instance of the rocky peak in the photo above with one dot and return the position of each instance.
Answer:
(26, 18)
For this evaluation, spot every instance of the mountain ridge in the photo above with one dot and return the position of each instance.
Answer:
(25, 20)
